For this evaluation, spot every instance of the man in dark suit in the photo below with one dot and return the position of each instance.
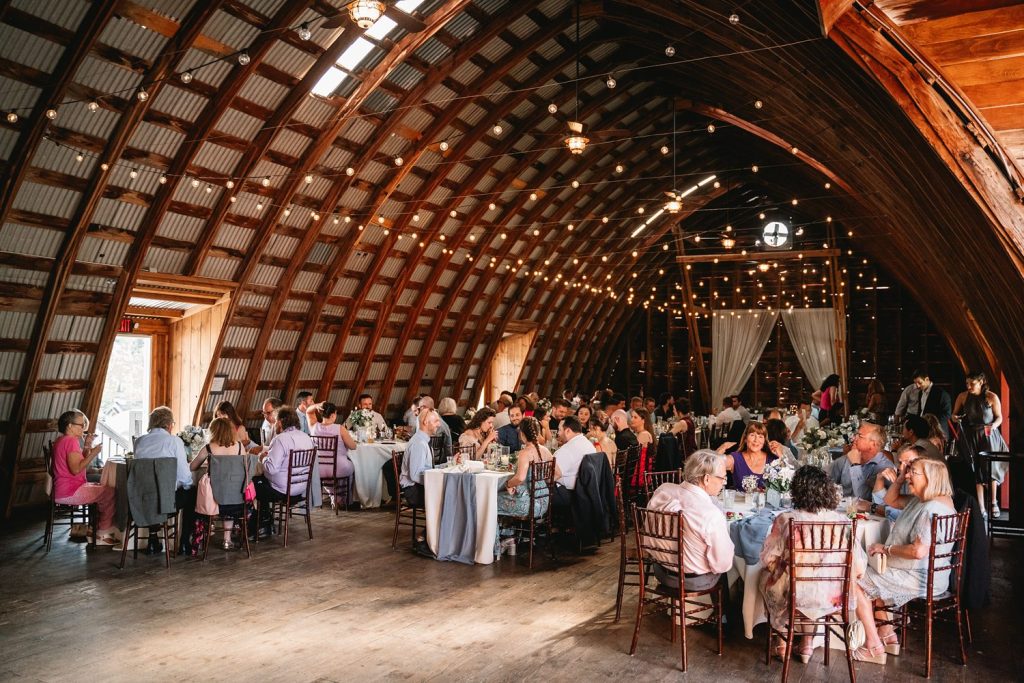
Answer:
(932, 399)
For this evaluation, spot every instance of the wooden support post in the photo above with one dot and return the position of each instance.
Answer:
(649, 365)
(696, 352)
(839, 313)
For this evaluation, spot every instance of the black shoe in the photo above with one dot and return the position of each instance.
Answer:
(421, 548)
(154, 547)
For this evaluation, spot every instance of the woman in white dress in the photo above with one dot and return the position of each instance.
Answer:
(906, 549)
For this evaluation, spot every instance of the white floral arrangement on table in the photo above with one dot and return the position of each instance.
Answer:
(360, 419)
(470, 412)
(749, 483)
(778, 475)
(846, 430)
(545, 405)
(813, 439)
(194, 439)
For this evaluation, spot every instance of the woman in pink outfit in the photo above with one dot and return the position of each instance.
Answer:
(323, 421)
(70, 461)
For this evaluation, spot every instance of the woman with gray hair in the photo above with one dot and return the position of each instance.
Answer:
(707, 549)
(456, 424)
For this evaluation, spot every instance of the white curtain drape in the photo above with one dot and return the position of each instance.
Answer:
(737, 340)
(813, 333)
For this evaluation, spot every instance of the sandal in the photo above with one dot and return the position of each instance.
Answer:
(892, 644)
(805, 651)
(779, 649)
(873, 655)
(995, 511)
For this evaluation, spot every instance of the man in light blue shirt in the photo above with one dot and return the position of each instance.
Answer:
(419, 458)
(303, 400)
(858, 469)
(161, 442)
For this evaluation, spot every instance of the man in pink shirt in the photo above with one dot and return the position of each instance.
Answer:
(707, 549)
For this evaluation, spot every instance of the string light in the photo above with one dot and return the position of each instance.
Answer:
(142, 95)
(12, 117)
(304, 32)
(243, 58)
(51, 113)
(350, 171)
(93, 106)
(610, 82)
(670, 51)
(186, 77)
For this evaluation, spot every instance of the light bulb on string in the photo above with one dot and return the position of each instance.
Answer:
(670, 51)
(265, 182)
(304, 32)
(611, 83)
(93, 106)
(350, 171)
(51, 113)
(243, 58)
(12, 117)
(186, 77)
(142, 95)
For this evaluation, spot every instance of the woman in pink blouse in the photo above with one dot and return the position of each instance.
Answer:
(323, 421)
(70, 461)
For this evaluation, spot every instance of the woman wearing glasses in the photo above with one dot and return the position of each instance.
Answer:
(906, 549)
(72, 454)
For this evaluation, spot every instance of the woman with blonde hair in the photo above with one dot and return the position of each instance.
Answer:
(906, 549)
(446, 408)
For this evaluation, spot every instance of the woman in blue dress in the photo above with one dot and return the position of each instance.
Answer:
(514, 501)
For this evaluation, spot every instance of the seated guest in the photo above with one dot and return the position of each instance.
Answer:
(70, 460)
(559, 409)
(419, 458)
(456, 425)
(891, 490)
(684, 427)
(411, 416)
(707, 549)
(906, 549)
(751, 457)
(801, 421)
(599, 438)
(583, 414)
(574, 447)
(666, 407)
(650, 405)
(635, 403)
(442, 427)
(509, 434)
(856, 470)
(303, 400)
(916, 431)
(640, 424)
(541, 415)
(479, 432)
(779, 442)
(515, 499)
(223, 442)
(814, 500)
(501, 416)
(273, 485)
(365, 402)
(269, 427)
(526, 405)
(226, 410)
(624, 436)
(935, 434)
(323, 421)
(161, 442)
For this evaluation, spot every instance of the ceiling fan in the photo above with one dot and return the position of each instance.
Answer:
(365, 13)
(576, 137)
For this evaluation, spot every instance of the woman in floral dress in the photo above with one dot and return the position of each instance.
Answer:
(814, 500)
(514, 501)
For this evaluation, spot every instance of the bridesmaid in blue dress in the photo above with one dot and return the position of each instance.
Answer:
(515, 499)
(751, 457)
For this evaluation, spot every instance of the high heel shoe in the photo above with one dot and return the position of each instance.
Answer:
(805, 651)
(779, 649)
(892, 644)
(875, 655)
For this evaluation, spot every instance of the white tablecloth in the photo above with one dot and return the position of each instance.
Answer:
(872, 530)
(487, 485)
(367, 459)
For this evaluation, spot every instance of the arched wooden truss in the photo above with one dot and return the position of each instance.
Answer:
(321, 298)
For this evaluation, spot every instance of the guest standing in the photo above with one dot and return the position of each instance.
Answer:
(906, 548)
(831, 402)
(814, 500)
(982, 416)
(303, 400)
(70, 460)
(874, 400)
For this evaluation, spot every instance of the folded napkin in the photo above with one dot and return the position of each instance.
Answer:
(748, 534)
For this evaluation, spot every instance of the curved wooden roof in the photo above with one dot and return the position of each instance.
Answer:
(401, 276)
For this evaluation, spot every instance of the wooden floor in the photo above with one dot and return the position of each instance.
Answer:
(345, 607)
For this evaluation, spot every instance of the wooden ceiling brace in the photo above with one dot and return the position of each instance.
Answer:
(781, 255)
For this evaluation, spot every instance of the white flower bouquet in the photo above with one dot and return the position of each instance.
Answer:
(749, 483)
(194, 439)
(815, 438)
(361, 419)
(545, 405)
(778, 475)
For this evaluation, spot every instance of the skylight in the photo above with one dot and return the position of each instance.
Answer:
(355, 53)
(330, 82)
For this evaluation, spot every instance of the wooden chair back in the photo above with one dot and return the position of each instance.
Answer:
(659, 537)
(951, 531)
(300, 470)
(326, 453)
(396, 466)
(437, 448)
(820, 552)
(541, 472)
(652, 480)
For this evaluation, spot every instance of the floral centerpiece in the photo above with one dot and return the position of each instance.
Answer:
(362, 421)
(470, 412)
(813, 439)
(778, 477)
(194, 439)
(545, 405)
(749, 483)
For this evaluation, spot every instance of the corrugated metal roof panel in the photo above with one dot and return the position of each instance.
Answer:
(293, 305)
(377, 372)
(212, 74)
(10, 365)
(240, 337)
(313, 370)
(267, 275)
(218, 268)
(17, 325)
(290, 142)
(65, 366)
(164, 260)
(66, 14)
(76, 328)
(386, 346)
(233, 367)
(315, 112)
(89, 283)
(29, 49)
(44, 199)
(284, 340)
(156, 139)
(359, 131)
(21, 239)
(250, 300)
(103, 76)
(354, 344)
(413, 347)
(226, 29)
(331, 309)
(321, 342)
(180, 227)
(142, 302)
(289, 59)
(346, 370)
(239, 124)
(308, 282)
(44, 406)
(217, 158)
(232, 236)
(128, 36)
(282, 246)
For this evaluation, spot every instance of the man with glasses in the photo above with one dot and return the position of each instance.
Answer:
(707, 548)
(161, 442)
(857, 470)
(269, 427)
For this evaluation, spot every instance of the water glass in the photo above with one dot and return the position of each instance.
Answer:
(449, 462)
(839, 491)
(730, 499)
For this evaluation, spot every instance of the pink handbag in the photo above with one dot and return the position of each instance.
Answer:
(249, 492)
(205, 503)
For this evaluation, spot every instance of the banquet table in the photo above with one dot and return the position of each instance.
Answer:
(871, 530)
(488, 484)
(367, 459)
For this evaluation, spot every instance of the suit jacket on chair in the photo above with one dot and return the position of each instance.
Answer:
(151, 486)
(593, 505)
